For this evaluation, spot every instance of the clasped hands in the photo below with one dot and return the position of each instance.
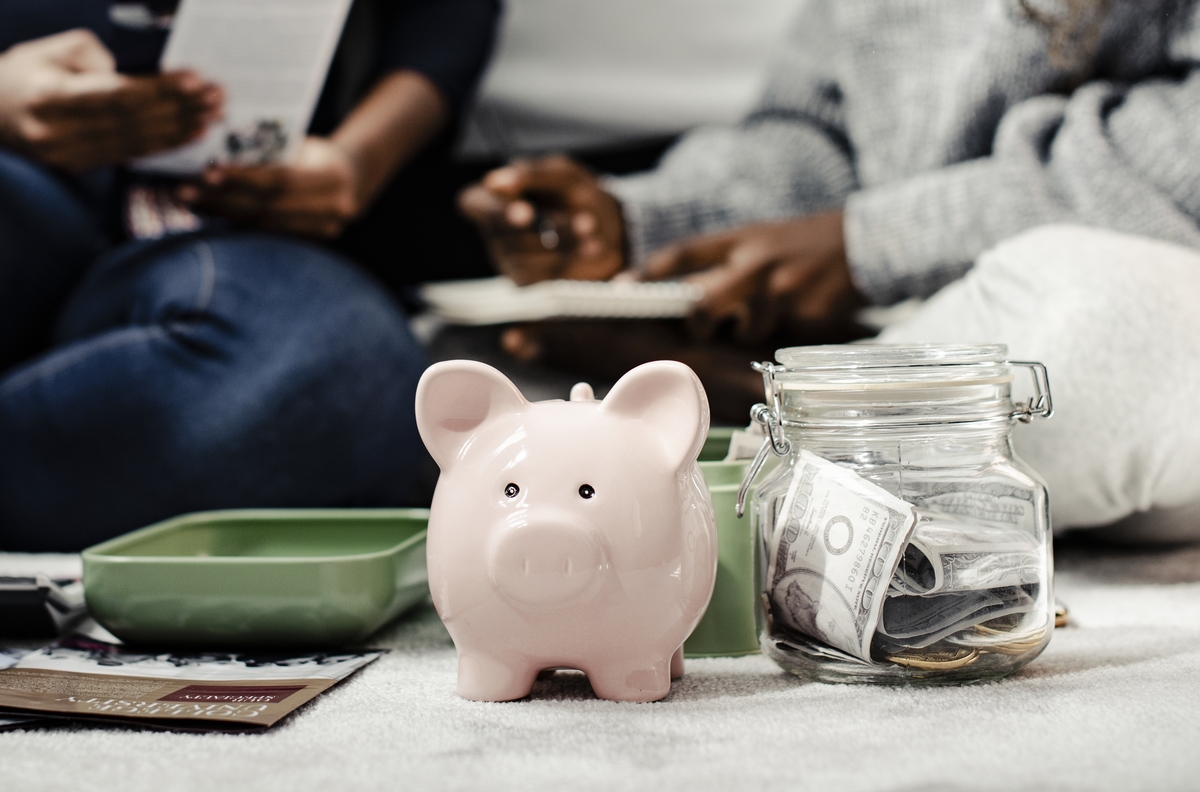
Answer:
(758, 276)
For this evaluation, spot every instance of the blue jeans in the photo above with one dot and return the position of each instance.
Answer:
(198, 372)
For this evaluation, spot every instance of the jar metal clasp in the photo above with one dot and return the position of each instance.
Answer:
(1040, 405)
(768, 417)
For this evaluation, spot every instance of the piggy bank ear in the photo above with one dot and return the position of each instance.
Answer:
(669, 400)
(456, 397)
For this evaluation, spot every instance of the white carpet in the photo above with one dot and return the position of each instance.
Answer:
(1114, 703)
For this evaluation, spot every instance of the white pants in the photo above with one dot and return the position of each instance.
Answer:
(1116, 320)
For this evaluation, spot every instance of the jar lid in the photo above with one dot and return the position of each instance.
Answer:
(855, 367)
(880, 387)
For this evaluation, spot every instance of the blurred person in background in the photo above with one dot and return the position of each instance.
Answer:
(224, 367)
(1030, 166)
(376, 178)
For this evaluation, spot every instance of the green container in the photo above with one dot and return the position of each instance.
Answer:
(727, 628)
(259, 578)
(716, 445)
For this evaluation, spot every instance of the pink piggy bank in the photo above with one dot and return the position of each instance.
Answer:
(573, 534)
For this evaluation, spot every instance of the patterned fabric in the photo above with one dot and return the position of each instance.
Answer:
(943, 127)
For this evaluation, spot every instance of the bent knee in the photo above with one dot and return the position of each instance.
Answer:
(1100, 263)
(1086, 286)
(1113, 318)
(308, 299)
(318, 353)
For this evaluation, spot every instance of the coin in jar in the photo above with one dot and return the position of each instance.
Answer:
(1060, 613)
(942, 660)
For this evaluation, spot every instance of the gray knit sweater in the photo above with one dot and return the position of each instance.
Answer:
(942, 127)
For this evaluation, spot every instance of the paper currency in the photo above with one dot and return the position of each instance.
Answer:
(918, 621)
(993, 502)
(815, 650)
(944, 557)
(833, 553)
(744, 443)
(935, 581)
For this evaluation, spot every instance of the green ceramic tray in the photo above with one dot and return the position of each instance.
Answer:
(259, 578)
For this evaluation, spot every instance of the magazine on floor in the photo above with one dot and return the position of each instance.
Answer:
(83, 679)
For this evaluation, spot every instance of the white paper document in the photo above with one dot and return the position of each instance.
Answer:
(271, 57)
(499, 300)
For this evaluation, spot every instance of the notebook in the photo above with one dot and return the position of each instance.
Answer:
(498, 300)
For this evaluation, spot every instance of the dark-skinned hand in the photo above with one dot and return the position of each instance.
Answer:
(764, 275)
(547, 218)
(315, 196)
(332, 180)
(63, 103)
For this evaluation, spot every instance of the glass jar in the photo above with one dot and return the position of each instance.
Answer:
(901, 540)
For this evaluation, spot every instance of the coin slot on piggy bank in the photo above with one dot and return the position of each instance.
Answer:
(568, 534)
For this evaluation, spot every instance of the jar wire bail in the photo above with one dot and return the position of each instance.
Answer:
(773, 440)
(1040, 405)
(769, 417)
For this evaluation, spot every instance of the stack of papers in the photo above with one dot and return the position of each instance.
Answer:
(271, 57)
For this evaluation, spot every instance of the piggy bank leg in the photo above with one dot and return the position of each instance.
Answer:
(486, 677)
(677, 664)
(646, 680)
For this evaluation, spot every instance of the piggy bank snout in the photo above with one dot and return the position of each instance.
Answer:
(546, 564)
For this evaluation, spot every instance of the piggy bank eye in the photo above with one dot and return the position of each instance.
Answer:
(586, 491)
(511, 490)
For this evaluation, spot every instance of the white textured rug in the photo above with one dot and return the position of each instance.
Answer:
(1114, 703)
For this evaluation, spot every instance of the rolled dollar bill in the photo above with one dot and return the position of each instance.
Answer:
(832, 554)
(994, 502)
(944, 557)
(916, 622)
(815, 650)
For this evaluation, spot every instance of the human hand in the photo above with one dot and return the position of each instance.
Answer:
(764, 274)
(316, 196)
(63, 103)
(580, 233)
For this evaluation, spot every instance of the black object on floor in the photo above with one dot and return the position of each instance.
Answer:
(38, 607)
